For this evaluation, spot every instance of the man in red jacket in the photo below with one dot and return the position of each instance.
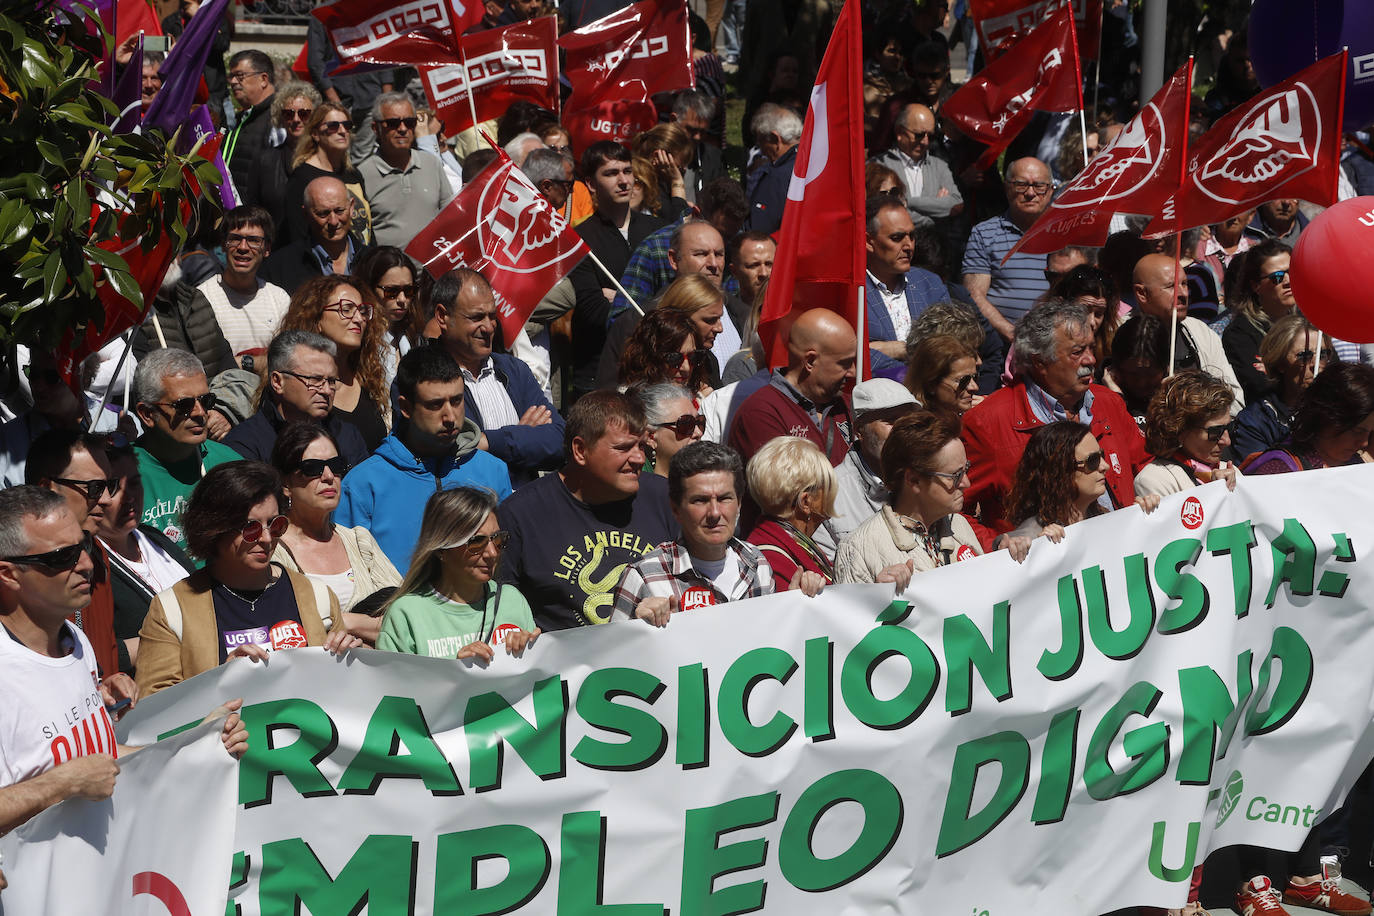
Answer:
(1054, 362)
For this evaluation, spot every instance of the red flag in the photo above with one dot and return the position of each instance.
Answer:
(1039, 72)
(632, 53)
(517, 63)
(501, 225)
(409, 33)
(1135, 173)
(1284, 142)
(1002, 23)
(820, 260)
(134, 16)
(611, 119)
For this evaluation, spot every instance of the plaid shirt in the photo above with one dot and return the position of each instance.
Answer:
(667, 572)
(649, 272)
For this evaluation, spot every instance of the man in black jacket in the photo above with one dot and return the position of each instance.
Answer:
(329, 219)
(253, 83)
(302, 376)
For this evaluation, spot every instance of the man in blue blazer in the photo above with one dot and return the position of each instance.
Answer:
(895, 291)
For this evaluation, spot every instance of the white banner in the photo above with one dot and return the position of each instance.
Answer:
(1067, 736)
(162, 844)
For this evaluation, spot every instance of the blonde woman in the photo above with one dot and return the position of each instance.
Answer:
(794, 486)
(323, 150)
(692, 295)
(449, 604)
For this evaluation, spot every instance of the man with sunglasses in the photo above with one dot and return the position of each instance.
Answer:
(175, 451)
(74, 465)
(302, 376)
(895, 289)
(252, 83)
(406, 187)
(500, 393)
(246, 307)
(931, 193)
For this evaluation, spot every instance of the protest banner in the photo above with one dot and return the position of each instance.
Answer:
(500, 66)
(1150, 689)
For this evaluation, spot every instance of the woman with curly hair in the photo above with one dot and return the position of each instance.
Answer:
(1093, 288)
(1187, 429)
(342, 308)
(1062, 479)
(292, 106)
(664, 348)
(942, 372)
(323, 150)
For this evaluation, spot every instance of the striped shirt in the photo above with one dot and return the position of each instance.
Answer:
(492, 400)
(1016, 284)
(249, 322)
(669, 571)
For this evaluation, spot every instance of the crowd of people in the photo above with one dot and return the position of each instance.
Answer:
(320, 444)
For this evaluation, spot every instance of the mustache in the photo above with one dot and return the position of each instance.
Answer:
(1085, 371)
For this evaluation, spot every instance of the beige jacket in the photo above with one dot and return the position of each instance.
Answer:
(372, 570)
(883, 541)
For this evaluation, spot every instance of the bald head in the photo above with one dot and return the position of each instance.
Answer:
(1028, 190)
(821, 354)
(328, 210)
(914, 128)
(697, 248)
(1160, 286)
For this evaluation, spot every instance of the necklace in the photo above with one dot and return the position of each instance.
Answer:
(251, 602)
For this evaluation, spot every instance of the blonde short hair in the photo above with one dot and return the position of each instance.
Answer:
(784, 469)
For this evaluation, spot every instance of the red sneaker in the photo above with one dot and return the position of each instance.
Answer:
(1326, 894)
(1257, 897)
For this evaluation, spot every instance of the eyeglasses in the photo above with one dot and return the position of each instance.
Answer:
(916, 134)
(1091, 463)
(297, 114)
(895, 191)
(566, 184)
(252, 532)
(1277, 276)
(1053, 276)
(330, 127)
(347, 309)
(43, 376)
(897, 237)
(239, 76)
(393, 123)
(1307, 356)
(59, 560)
(313, 382)
(954, 477)
(1021, 187)
(675, 358)
(478, 542)
(962, 382)
(1214, 433)
(393, 292)
(255, 242)
(311, 468)
(682, 427)
(93, 489)
(182, 407)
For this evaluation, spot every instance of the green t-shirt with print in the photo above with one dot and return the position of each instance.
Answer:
(166, 488)
(432, 625)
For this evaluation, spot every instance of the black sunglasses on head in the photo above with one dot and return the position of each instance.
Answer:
(314, 467)
(59, 560)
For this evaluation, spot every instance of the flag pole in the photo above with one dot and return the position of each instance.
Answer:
(862, 335)
(1317, 355)
(614, 281)
(1173, 310)
(1083, 129)
(467, 88)
(1097, 64)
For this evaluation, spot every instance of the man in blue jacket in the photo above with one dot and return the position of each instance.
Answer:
(895, 292)
(500, 394)
(386, 494)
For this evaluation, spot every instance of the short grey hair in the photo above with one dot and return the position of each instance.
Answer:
(656, 398)
(694, 101)
(160, 365)
(546, 164)
(281, 352)
(390, 98)
(18, 503)
(513, 147)
(774, 119)
(1036, 332)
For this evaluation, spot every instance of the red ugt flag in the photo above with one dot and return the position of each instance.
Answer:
(1135, 173)
(1002, 23)
(631, 54)
(500, 66)
(502, 226)
(1284, 142)
(820, 260)
(1040, 72)
(408, 33)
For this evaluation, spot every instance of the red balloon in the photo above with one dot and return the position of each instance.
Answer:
(1332, 273)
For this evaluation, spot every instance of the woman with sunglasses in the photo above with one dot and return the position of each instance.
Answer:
(1062, 479)
(1259, 296)
(1188, 430)
(692, 295)
(674, 423)
(345, 560)
(342, 309)
(242, 604)
(943, 375)
(292, 106)
(323, 150)
(450, 605)
(664, 348)
(925, 470)
(390, 276)
(1292, 353)
(1331, 427)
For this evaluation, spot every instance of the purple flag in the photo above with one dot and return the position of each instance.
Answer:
(202, 126)
(181, 71)
(128, 92)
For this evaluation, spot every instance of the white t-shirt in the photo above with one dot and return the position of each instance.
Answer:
(52, 711)
(722, 573)
(157, 568)
(342, 585)
(248, 322)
